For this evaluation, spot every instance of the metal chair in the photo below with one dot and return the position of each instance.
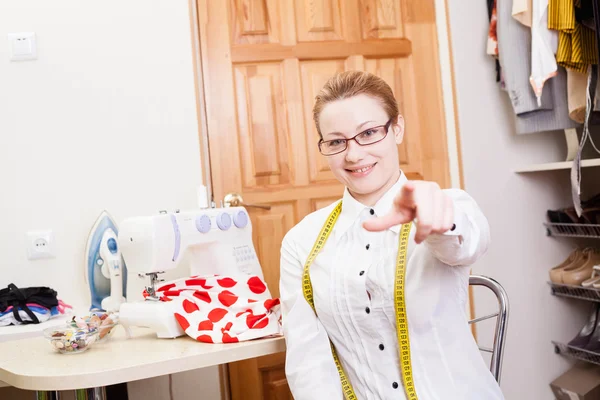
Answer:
(501, 321)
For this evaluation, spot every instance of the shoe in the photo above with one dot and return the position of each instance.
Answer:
(592, 201)
(591, 215)
(562, 216)
(573, 259)
(577, 275)
(593, 282)
(590, 328)
(567, 215)
(593, 343)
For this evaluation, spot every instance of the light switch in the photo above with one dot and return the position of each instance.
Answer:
(23, 46)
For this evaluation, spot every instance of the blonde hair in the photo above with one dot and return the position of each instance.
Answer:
(352, 83)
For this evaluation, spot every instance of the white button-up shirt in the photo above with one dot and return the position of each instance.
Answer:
(353, 281)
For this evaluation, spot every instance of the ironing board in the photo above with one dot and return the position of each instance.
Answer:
(32, 364)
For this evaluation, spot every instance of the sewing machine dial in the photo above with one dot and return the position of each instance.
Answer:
(203, 223)
(223, 221)
(240, 219)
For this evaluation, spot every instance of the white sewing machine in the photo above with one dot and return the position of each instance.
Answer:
(204, 242)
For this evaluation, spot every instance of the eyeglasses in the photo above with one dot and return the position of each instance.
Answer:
(365, 138)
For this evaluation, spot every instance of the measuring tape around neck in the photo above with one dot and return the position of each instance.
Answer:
(399, 303)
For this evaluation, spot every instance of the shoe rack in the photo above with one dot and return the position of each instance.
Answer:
(578, 277)
(591, 231)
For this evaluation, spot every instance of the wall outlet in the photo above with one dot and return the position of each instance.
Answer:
(23, 46)
(40, 244)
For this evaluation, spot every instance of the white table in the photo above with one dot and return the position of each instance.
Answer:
(33, 364)
(18, 332)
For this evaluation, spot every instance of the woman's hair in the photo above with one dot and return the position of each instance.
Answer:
(351, 83)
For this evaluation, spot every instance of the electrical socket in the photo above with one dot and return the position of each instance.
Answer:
(40, 244)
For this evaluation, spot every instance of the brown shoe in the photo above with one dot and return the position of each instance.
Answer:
(573, 261)
(578, 275)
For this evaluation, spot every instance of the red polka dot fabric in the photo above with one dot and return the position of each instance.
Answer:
(223, 309)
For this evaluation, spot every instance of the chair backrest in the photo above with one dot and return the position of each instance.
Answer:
(501, 321)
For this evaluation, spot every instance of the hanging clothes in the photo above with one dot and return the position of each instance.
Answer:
(544, 43)
(584, 14)
(576, 42)
(577, 81)
(576, 85)
(492, 38)
(522, 11)
(514, 50)
(492, 41)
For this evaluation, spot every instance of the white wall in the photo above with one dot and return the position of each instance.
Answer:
(521, 254)
(105, 118)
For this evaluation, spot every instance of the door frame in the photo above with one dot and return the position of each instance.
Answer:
(449, 99)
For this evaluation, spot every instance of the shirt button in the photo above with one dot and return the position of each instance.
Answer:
(361, 273)
(381, 347)
(367, 246)
(395, 385)
(367, 310)
(372, 211)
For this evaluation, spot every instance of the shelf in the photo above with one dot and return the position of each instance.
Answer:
(554, 166)
(573, 230)
(576, 353)
(575, 292)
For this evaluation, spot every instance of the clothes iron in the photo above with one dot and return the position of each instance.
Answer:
(106, 273)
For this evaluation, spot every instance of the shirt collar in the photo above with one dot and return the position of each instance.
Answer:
(352, 208)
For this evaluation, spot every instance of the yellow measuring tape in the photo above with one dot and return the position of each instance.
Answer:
(400, 305)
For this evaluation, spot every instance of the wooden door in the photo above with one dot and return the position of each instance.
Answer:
(263, 62)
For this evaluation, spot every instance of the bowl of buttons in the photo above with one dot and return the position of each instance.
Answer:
(71, 340)
(103, 322)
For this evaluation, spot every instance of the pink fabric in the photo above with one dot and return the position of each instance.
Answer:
(62, 306)
(223, 309)
(9, 308)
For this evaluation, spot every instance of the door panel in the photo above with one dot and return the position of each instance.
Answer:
(314, 75)
(319, 20)
(252, 24)
(399, 74)
(261, 124)
(263, 62)
(381, 19)
(269, 228)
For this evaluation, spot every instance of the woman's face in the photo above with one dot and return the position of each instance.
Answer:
(364, 170)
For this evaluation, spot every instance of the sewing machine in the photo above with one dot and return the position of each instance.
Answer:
(202, 242)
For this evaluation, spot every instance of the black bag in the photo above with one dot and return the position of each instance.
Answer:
(18, 298)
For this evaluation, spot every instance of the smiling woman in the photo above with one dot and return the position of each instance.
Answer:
(377, 159)
(356, 279)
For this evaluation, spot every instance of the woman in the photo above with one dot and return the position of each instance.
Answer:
(354, 274)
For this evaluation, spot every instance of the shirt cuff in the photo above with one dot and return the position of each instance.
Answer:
(461, 222)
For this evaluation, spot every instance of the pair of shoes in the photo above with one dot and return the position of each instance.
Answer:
(594, 280)
(588, 337)
(567, 215)
(563, 216)
(556, 272)
(577, 268)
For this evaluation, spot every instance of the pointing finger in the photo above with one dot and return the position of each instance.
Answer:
(406, 198)
(425, 215)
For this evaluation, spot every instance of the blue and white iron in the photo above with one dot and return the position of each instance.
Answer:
(106, 273)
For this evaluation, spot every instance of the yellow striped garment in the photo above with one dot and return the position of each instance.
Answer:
(576, 42)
